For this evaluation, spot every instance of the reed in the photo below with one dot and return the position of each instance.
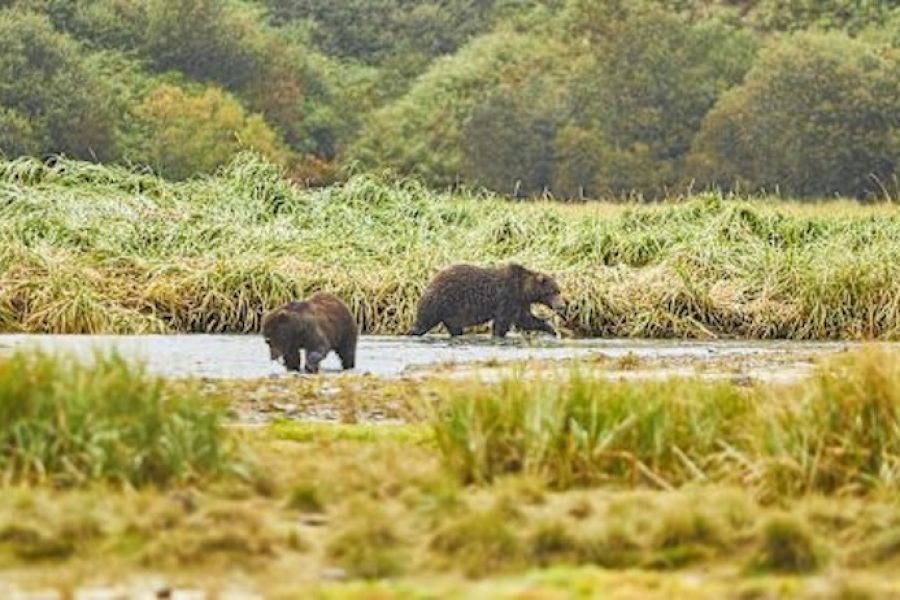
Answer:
(69, 423)
(90, 249)
(836, 433)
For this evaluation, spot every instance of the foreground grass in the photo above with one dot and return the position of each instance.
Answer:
(68, 423)
(838, 432)
(93, 249)
(380, 516)
(391, 511)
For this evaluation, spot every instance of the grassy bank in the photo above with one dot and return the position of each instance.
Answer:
(560, 488)
(838, 432)
(88, 248)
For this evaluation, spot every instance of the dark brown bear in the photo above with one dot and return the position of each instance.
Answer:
(465, 295)
(318, 325)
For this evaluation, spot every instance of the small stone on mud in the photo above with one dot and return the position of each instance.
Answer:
(35, 595)
(314, 520)
(742, 380)
(101, 594)
(334, 574)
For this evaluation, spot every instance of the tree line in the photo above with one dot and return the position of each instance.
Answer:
(572, 98)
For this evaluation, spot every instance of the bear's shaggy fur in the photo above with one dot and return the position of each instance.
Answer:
(465, 295)
(318, 325)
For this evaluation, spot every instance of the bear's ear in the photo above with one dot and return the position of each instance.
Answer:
(517, 269)
(278, 317)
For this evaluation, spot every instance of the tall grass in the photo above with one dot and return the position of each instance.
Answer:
(836, 433)
(68, 423)
(93, 249)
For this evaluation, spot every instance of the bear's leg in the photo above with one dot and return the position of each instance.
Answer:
(347, 354)
(529, 322)
(454, 329)
(292, 359)
(313, 358)
(500, 327)
(417, 330)
(422, 325)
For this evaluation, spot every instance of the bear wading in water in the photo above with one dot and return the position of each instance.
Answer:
(465, 295)
(317, 326)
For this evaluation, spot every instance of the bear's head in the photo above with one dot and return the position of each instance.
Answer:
(275, 332)
(282, 329)
(539, 288)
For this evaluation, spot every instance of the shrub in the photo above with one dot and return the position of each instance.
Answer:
(49, 100)
(368, 545)
(481, 543)
(787, 545)
(652, 77)
(817, 115)
(196, 133)
(835, 433)
(585, 430)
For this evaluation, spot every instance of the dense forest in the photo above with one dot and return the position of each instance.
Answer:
(574, 98)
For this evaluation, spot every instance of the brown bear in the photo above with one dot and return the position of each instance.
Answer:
(318, 325)
(465, 295)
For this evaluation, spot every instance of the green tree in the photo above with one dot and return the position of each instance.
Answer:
(17, 137)
(49, 100)
(423, 132)
(96, 23)
(651, 78)
(850, 16)
(818, 115)
(187, 134)
(508, 141)
(216, 40)
(373, 31)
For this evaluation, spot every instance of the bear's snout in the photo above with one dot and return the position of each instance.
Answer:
(557, 303)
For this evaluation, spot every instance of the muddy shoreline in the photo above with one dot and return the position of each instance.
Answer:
(245, 356)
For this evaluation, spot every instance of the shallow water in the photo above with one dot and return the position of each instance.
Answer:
(246, 356)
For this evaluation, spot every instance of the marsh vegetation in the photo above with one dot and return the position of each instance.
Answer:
(92, 249)
(556, 484)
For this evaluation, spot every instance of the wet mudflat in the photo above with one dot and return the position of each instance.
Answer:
(246, 356)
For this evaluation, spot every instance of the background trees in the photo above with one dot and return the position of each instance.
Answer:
(576, 98)
(819, 115)
(49, 99)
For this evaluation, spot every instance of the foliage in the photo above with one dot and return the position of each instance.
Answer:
(818, 115)
(575, 98)
(190, 134)
(508, 141)
(847, 15)
(49, 101)
(205, 39)
(651, 78)
(423, 132)
(401, 35)
(96, 249)
(68, 423)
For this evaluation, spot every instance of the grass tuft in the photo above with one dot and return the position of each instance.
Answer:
(479, 542)
(369, 546)
(787, 545)
(68, 423)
